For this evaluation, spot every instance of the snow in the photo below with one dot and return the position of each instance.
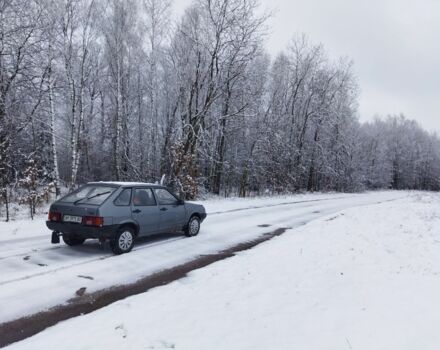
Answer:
(344, 269)
(220, 204)
(363, 278)
(23, 229)
(29, 265)
(124, 183)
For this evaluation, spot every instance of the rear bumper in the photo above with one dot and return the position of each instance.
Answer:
(203, 216)
(78, 230)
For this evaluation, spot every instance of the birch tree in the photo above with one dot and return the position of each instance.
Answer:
(20, 32)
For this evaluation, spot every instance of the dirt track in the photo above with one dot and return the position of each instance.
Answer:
(84, 303)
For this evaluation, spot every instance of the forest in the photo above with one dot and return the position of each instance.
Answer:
(95, 90)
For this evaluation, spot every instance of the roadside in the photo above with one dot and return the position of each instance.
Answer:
(365, 278)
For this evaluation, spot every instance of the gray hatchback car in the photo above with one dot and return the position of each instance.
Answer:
(120, 212)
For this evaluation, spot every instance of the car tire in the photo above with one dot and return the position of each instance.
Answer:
(193, 227)
(72, 241)
(123, 241)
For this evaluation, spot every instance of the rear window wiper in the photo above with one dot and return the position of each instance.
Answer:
(91, 197)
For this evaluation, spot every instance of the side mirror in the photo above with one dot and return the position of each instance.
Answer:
(180, 202)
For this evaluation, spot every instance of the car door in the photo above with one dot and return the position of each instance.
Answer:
(145, 211)
(172, 211)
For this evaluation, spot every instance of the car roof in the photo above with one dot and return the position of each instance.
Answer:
(124, 184)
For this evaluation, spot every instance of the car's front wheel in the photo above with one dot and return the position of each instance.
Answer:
(72, 241)
(193, 227)
(124, 241)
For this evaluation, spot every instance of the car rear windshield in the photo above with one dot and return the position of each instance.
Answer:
(89, 194)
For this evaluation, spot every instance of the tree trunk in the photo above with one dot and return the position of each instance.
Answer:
(56, 174)
(4, 155)
(117, 137)
(218, 169)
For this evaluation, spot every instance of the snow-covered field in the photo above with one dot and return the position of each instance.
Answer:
(361, 275)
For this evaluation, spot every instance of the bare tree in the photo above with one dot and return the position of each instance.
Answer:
(110, 89)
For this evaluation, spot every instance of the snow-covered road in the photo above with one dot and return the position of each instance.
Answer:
(364, 278)
(36, 275)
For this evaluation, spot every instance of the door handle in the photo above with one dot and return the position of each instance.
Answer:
(163, 209)
(136, 211)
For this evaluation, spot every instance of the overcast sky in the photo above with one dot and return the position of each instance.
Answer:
(395, 46)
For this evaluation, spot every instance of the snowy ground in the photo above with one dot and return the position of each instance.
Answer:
(29, 264)
(360, 278)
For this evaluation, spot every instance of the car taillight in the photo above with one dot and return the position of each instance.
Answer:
(93, 220)
(54, 216)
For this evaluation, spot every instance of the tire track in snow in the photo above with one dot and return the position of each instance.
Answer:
(88, 261)
(277, 204)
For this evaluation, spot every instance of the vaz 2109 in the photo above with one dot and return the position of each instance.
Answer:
(120, 212)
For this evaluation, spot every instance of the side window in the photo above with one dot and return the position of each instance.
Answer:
(143, 197)
(124, 197)
(164, 197)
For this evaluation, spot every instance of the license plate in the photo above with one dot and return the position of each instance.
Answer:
(71, 218)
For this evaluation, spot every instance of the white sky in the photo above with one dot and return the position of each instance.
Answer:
(395, 46)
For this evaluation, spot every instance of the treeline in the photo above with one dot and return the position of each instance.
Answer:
(114, 90)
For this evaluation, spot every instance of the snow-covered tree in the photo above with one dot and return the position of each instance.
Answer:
(115, 90)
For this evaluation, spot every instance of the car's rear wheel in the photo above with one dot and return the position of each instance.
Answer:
(72, 241)
(193, 227)
(124, 240)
